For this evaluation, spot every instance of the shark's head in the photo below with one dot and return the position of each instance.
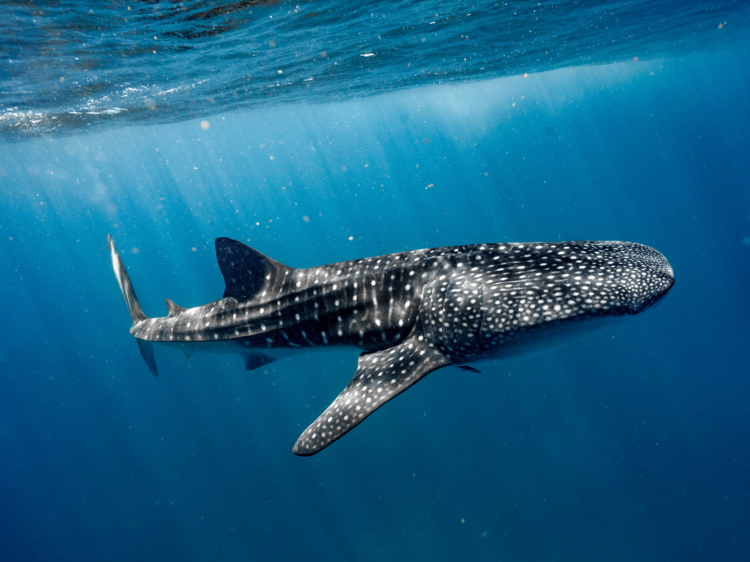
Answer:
(588, 285)
(534, 295)
(639, 277)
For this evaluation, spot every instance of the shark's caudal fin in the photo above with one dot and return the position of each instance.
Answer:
(147, 352)
(136, 314)
(246, 271)
(380, 376)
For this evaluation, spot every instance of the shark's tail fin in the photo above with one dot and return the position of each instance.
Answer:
(136, 314)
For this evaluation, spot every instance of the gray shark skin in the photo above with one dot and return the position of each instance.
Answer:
(411, 313)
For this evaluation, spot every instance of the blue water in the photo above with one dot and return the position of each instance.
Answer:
(632, 444)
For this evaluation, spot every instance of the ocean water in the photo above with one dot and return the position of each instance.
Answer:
(169, 124)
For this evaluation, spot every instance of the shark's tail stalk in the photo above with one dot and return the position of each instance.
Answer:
(136, 314)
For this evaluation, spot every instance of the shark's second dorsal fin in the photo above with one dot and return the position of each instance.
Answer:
(173, 309)
(246, 271)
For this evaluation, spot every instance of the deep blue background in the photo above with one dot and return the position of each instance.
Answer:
(631, 445)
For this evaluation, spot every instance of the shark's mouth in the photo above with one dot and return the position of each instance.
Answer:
(656, 300)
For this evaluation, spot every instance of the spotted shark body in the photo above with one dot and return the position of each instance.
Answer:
(411, 313)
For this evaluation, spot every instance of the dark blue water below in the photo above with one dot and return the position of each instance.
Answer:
(630, 445)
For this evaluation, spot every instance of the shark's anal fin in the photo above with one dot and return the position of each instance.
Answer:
(468, 368)
(173, 309)
(255, 360)
(380, 376)
(147, 352)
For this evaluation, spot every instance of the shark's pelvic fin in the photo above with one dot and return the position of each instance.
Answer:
(136, 314)
(247, 271)
(380, 376)
(147, 352)
(173, 309)
(255, 360)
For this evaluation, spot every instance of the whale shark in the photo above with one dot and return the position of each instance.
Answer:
(410, 313)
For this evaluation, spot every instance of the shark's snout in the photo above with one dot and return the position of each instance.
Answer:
(653, 277)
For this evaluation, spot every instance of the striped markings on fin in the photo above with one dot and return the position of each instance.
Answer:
(380, 376)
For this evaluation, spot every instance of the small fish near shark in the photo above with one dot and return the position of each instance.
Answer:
(411, 313)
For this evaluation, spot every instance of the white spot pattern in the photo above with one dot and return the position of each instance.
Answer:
(474, 302)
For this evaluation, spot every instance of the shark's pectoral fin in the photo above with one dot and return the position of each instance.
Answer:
(255, 360)
(147, 352)
(380, 376)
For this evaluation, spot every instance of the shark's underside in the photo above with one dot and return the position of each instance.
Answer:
(411, 313)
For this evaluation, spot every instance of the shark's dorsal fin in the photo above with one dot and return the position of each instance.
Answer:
(246, 271)
(380, 376)
(173, 309)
